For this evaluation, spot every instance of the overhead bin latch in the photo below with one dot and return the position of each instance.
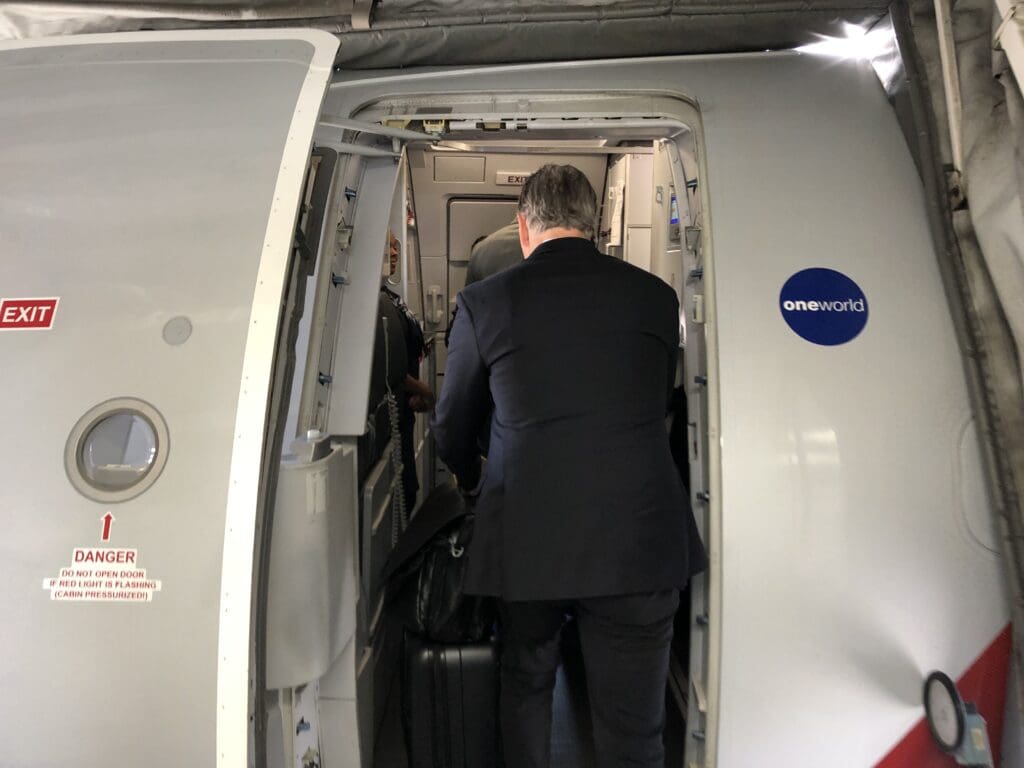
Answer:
(434, 126)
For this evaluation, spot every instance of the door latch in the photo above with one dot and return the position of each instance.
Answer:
(436, 299)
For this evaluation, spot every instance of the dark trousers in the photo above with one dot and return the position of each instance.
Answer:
(626, 642)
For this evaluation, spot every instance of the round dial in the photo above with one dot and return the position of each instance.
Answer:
(945, 711)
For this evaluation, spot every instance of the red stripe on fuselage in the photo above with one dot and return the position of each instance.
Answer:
(984, 683)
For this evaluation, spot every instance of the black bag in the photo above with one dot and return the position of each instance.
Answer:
(427, 570)
(450, 704)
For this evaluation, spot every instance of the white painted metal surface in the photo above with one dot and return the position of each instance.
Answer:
(313, 586)
(235, 677)
(350, 387)
(143, 178)
(840, 570)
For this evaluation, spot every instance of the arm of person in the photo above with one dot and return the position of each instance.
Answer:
(421, 396)
(465, 402)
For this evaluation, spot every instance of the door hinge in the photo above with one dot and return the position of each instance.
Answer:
(344, 238)
(693, 238)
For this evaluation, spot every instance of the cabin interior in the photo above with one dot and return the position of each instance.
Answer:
(449, 193)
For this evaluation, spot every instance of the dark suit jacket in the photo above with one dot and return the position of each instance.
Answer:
(495, 253)
(580, 496)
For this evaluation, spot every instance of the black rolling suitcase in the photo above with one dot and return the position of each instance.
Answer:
(450, 704)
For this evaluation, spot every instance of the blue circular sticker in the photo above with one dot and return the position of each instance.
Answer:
(823, 306)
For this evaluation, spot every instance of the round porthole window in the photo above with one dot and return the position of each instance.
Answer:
(117, 450)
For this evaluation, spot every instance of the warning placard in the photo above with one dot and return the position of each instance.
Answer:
(103, 574)
(27, 314)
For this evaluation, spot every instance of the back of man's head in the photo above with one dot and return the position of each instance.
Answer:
(559, 196)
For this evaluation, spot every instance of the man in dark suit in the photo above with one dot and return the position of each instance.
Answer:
(494, 253)
(490, 255)
(580, 506)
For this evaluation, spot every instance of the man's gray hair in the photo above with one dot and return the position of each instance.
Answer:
(559, 196)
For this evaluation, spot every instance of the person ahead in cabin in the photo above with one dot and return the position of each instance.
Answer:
(490, 255)
(579, 505)
(494, 253)
(399, 350)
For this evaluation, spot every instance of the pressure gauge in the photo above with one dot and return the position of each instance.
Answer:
(945, 711)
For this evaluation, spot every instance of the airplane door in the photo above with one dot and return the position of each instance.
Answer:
(149, 185)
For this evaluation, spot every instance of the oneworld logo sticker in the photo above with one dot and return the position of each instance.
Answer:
(824, 306)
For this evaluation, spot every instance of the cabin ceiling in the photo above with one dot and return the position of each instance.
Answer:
(391, 33)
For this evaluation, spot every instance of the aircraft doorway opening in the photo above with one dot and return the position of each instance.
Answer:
(447, 195)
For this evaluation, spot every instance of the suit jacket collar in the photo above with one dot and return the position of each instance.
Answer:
(561, 247)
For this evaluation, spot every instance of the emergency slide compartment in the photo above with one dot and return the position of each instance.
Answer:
(149, 186)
